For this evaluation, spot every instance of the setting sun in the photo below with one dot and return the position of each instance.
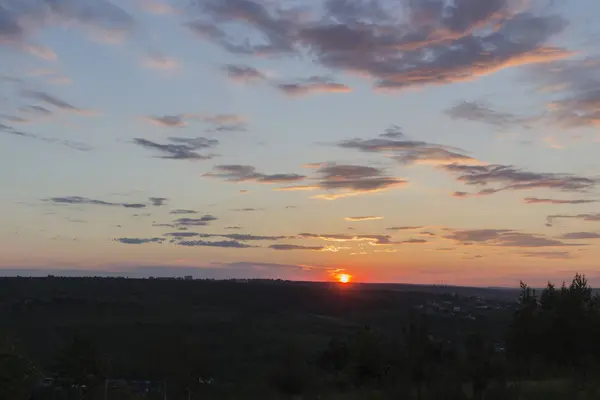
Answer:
(344, 278)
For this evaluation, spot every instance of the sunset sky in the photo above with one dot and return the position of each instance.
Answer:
(419, 141)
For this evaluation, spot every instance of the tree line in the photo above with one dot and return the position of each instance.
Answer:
(550, 346)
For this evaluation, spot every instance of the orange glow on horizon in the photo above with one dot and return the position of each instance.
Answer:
(344, 278)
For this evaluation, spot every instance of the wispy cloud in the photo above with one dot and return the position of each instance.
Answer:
(481, 112)
(374, 239)
(37, 50)
(230, 244)
(78, 200)
(511, 178)
(289, 247)
(160, 62)
(140, 240)
(157, 7)
(580, 235)
(248, 173)
(241, 237)
(582, 217)
(363, 218)
(551, 255)
(38, 110)
(169, 121)
(181, 148)
(243, 73)
(68, 143)
(56, 102)
(575, 87)
(404, 228)
(182, 211)
(314, 84)
(536, 200)
(504, 238)
(187, 222)
(101, 19)
(406, 151)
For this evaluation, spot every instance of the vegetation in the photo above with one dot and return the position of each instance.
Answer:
(92, 338)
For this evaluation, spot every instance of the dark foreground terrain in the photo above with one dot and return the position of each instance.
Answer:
(110, 338)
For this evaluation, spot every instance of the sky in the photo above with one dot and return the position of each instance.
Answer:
(418, 141)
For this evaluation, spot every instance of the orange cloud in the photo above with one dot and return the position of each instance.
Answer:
(363, 218)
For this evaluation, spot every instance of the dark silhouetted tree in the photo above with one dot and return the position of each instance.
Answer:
(18, 375)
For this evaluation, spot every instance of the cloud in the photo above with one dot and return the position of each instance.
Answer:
(353, 180)
(222, 123)
(56, 102)
(393, 132)
(407, 151)
(233, 227)
(102, 19)
(426, 233)
(160, 62)
(347, 180)
(248, 237)
(223, 243)
(363, 218)
(552, 255)
(156, 7)
(504, 238)
(535, 200)
(431, 42)
(68, 143)
(219, 119)
(580, 235)
(247, 209)
(296, 188)
(241, 237)
(78, 200)
(397, 62)
(575, 88)
(414, 241)
(218, 122)
(14, 119)
(169, 121)
(187, 222)
(512, 178)
(480, 112)
(181, 211)
(42, 52)
(374, 239)
(288, 247)
(248, 173)
(181, 149)
(158, 201)
(583, 217)
(275, 27)
(140, 240)
(404, 228)
(461, 194)
(315, 84)
(39, 110)
(243, 73)
(182, 234)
